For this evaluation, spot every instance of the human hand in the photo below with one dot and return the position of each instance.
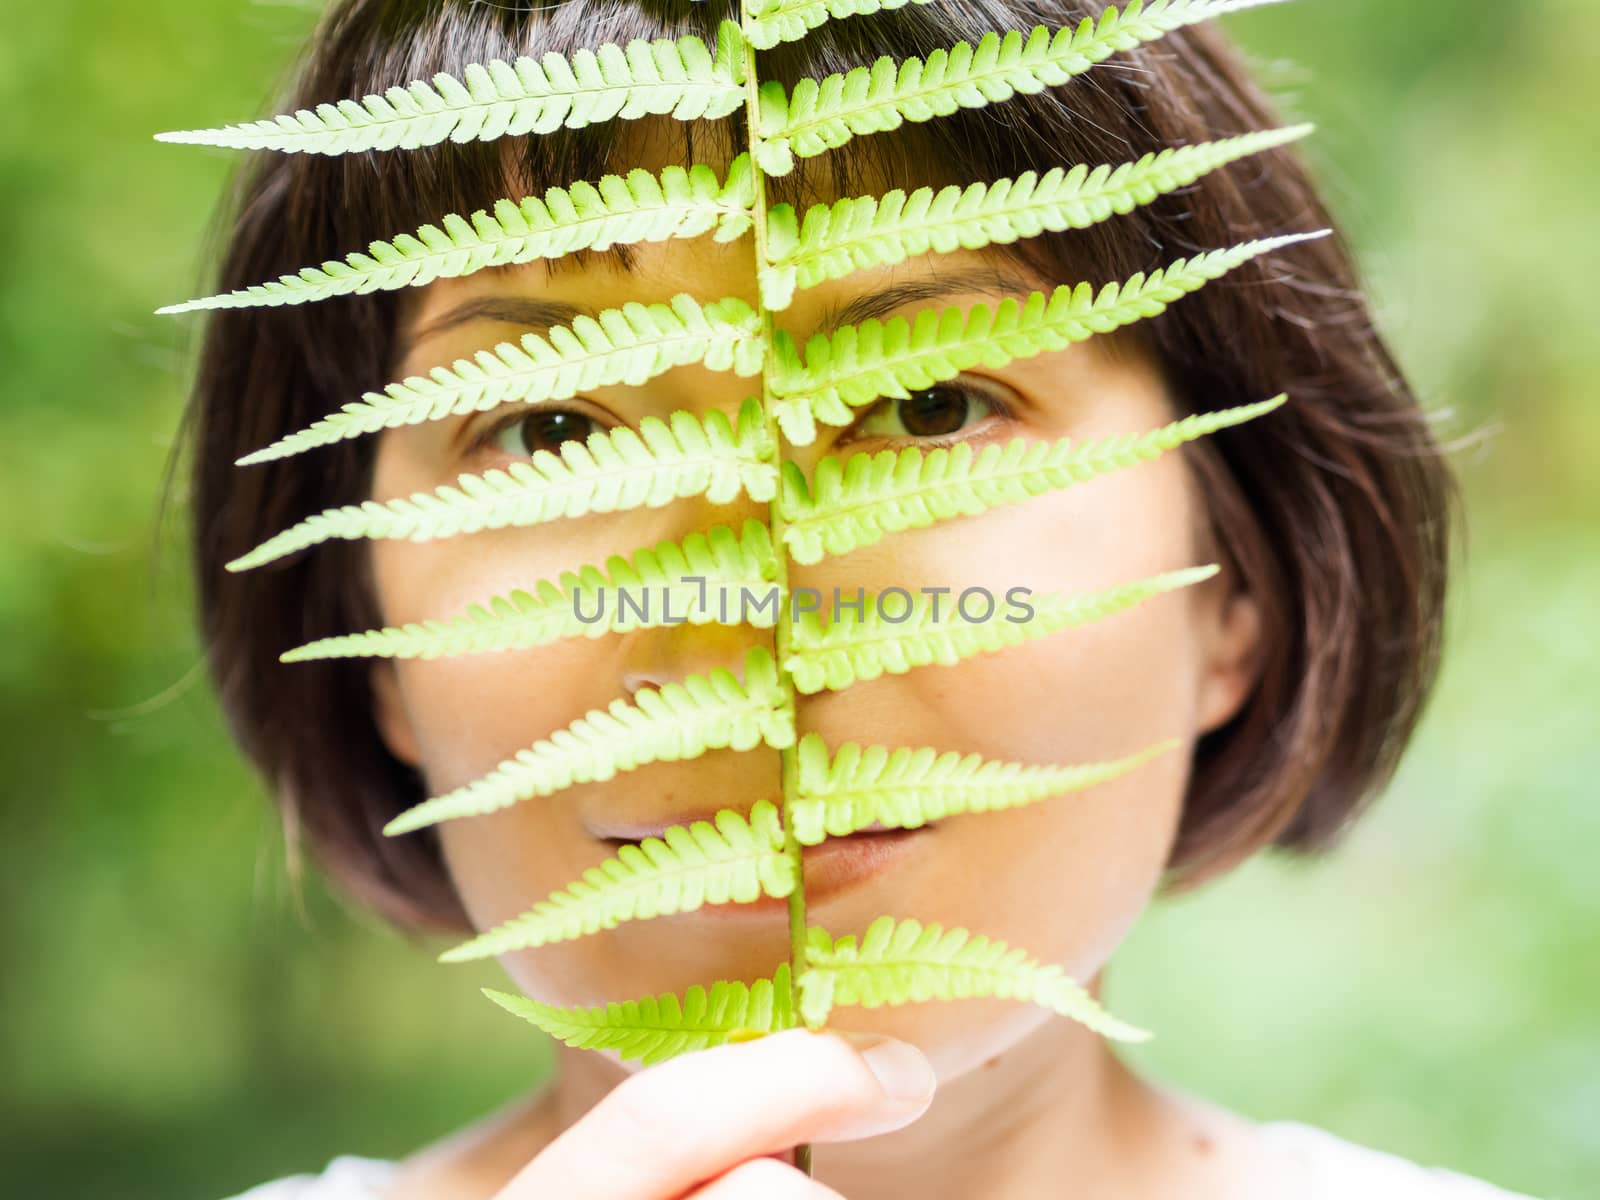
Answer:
(708, 1125)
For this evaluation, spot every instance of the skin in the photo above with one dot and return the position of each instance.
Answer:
(1025, 1098)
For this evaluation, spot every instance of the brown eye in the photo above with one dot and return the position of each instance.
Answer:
(932, 412)
(543, 429)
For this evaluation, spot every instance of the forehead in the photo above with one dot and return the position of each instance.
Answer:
(538, 295)
(549, 292)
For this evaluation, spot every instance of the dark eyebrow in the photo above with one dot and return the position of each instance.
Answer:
(886, 299)
(527, 311)
(536, 314)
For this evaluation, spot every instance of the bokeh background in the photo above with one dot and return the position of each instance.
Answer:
(175, 1024)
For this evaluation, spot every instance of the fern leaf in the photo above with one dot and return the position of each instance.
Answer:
(868, 645)
(860, 364)
(732, 861)
(901, 962)
(699, 580)
(772, 21)
(677, 77)
(668, 724)
(864, 231)
(618, 210)
(863, 498)
(608, 472)
(906, 788)
(821, 115)
(630, 345)
(660, 1027)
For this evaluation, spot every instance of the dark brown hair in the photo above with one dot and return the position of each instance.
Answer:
(1335, 510)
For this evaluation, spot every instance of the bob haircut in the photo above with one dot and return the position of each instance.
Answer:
(1335, 513)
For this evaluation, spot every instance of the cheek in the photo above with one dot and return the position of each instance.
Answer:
(469, 712)
(1067, 876)
(1100, 690)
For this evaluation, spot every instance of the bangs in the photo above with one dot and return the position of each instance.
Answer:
(380, 194)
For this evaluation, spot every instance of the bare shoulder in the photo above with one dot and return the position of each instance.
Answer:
(476, 1162)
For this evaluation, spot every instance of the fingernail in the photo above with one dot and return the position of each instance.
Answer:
(902, 1070)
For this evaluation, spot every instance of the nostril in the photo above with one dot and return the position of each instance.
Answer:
(632, 681)
(658, 655)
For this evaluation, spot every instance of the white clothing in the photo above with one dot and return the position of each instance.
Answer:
(1323, 1166)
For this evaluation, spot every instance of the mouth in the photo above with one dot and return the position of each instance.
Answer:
(831, 868)
(623, 833)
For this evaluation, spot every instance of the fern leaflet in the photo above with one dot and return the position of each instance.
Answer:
(677, 77)
(684, 576)
(870, 644)
(660, 1027)
(906, 788)
(772, 21)
(668, 724)
(859, 364)
(863, 498)
(631, 345)
(821, 115)
(608, 472)
(733, 861)
(850, 234)
(618, 210)
(900, 962)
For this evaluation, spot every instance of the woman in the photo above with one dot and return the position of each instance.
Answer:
(1290, 681)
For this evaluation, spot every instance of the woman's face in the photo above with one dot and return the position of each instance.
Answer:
(1064, 879)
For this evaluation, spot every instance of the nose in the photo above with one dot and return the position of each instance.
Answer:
(657, 654)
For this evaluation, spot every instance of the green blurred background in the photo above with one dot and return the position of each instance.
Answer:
(173, 1026)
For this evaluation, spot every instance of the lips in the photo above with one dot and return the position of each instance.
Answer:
(835, 866)
(625, 832)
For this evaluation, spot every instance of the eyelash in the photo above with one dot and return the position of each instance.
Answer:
(999, 411)
(483, 442)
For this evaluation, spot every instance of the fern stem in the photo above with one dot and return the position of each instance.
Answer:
(789, 763)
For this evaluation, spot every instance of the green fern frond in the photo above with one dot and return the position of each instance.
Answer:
(733, 861)
(860, 364)
(851, 502)
(906, 788)
(630, 345)
(865, 231)
(863, 498)
(672, 723)
(698, 579)
(821, 115)
(608, 472)
(845, 652)
(772, 21)
(900, 962)
(656, 1028)
(618, 210)
(669, 76)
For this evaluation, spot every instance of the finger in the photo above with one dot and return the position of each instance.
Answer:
(674, 1126)
(764, 1179)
